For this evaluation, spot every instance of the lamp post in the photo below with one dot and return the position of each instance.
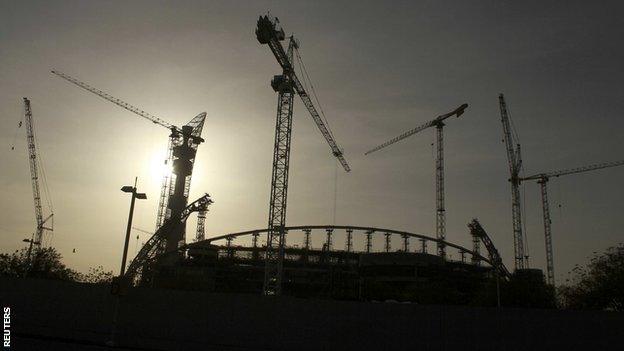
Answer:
(31, 241)
(135, 195)
(119, 282)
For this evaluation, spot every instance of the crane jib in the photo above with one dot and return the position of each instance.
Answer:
(267, 34)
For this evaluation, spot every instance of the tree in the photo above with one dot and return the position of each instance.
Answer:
(97, 276)
(47, 263)
(598, 286)
(41, 263)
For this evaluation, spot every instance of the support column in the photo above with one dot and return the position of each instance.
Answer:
(388, 239)
(440, 211)
(328, 242)
(369, 240)
(349, 243)
(306, 239)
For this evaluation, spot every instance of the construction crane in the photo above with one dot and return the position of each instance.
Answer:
(542, 179)
(438, 123)
(477, 231)
(41, 227)
(183, 143)
(269, 31)
(514, 160)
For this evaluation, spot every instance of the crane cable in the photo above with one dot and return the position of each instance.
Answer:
(306, 80)
(306, 76)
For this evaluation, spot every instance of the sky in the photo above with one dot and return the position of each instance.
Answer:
(378, 67)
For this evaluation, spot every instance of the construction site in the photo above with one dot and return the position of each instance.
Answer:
(385, 268)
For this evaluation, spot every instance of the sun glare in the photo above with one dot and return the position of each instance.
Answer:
(159, 167)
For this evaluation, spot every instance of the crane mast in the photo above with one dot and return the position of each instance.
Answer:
(287, 84)
(438, 123)
(34, 176)
(542, 179)
(515, 164)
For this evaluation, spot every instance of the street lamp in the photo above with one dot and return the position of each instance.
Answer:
(135, 195)
(31, 241)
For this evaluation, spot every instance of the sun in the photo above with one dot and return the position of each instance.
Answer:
(159, 167)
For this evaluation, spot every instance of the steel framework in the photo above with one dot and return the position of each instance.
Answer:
(279, 180)
(34, 177)
(366, 231)
(156, 246)
(514, 159)
(495, 259)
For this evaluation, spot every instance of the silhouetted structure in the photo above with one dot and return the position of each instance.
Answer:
(183, 143)
(438, 122)
(269, 32)
(33, 161)
(542, 180)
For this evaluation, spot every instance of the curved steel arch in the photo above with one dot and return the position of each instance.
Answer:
(357, 228)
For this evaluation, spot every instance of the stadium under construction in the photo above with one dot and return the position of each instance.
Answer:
(266, 261)
(233, 263)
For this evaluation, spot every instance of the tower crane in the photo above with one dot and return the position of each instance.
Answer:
(34, 176)
(183, 143)
(269, 31)
(542, 179)
(438, 123)
(514, 160)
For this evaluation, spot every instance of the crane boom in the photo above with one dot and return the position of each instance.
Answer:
(574, 170)
(458, 111)
(269, 32)
(117, 102)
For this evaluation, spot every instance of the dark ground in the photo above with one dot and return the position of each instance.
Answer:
(56, 315)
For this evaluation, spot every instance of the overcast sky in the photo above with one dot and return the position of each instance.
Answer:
(379, 69)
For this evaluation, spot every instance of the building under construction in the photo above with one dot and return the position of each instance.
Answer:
(220, 264)
(270, 265)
